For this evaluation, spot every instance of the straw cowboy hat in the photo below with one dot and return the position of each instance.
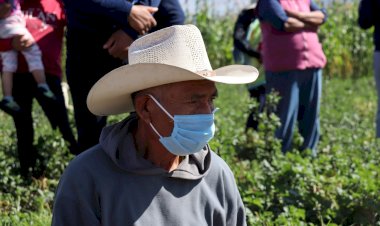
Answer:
(172, 54)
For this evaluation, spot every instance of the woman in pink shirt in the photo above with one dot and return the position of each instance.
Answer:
(293, 61)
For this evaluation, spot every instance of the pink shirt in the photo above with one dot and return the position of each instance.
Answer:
(283, 51)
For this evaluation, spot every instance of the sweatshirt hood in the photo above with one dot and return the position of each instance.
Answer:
(118, 143)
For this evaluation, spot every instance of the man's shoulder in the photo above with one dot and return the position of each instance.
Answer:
(219, 166)
(87, 160)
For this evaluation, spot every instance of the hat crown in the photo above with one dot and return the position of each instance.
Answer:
(180, 45)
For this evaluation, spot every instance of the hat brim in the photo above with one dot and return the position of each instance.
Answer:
(111, 95)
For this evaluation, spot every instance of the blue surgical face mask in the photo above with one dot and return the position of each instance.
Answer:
(190, 133)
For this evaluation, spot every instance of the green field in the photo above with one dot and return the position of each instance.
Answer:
(340, 186)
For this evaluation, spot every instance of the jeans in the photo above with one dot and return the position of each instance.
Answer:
(300, 92)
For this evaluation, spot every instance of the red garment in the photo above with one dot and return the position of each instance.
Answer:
(45, 20)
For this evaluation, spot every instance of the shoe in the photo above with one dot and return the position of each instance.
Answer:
(10, 107)
(46, 92)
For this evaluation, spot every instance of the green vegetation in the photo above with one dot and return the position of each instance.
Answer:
(341, 186)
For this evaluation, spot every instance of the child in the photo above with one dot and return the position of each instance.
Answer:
(12, 23)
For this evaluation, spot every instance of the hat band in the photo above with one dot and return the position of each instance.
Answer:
(206, 73)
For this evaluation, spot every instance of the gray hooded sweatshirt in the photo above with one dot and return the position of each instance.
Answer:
(111, 185)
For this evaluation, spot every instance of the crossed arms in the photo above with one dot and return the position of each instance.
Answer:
(291, 20)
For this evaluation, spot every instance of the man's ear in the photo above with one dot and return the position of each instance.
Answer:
(142, 108)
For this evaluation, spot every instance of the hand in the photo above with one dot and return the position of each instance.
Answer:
(22, 42)
(118, 44)
(141, 19)
(293, 13)
(5, 10)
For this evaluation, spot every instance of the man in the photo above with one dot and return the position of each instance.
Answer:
(293, 61)
(98, 36)
(155, 167)
(368, 17)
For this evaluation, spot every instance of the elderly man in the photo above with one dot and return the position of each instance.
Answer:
(155, 167)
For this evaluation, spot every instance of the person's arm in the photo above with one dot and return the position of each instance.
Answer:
(272, 12)
(366, 14)
(18, 42)
(312, 19)
(289, 20)
(242, 24)
(304, 20)
(169, 13)
(118, 44)
(141, 20)
(119, 11)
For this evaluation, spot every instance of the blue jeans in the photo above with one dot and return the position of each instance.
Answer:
(376, 63)
(300, 92)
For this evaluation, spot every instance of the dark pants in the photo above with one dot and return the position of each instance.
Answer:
(257, 93)
(24, 91)
(86, 63)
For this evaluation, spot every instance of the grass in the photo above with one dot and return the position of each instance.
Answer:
(348, 143)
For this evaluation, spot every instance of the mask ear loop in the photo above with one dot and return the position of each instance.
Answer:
(160, 106)
(163, 109)
(154, 129)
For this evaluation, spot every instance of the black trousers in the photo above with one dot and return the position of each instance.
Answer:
(24, 91)
(258, 93)
(86, 63)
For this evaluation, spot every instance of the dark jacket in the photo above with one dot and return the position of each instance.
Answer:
(245, 18)
(369, 16)
(110, 15)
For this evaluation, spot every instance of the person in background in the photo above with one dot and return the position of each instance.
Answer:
(247, 44)
(368, 17)
(293, 60)
(246, 26)
(45, 20)
(98, 36)
(155, 167)
(12, 23)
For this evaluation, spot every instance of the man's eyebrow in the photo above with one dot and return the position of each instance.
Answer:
(198, 96)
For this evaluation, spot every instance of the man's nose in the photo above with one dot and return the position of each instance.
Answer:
(206, 108)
